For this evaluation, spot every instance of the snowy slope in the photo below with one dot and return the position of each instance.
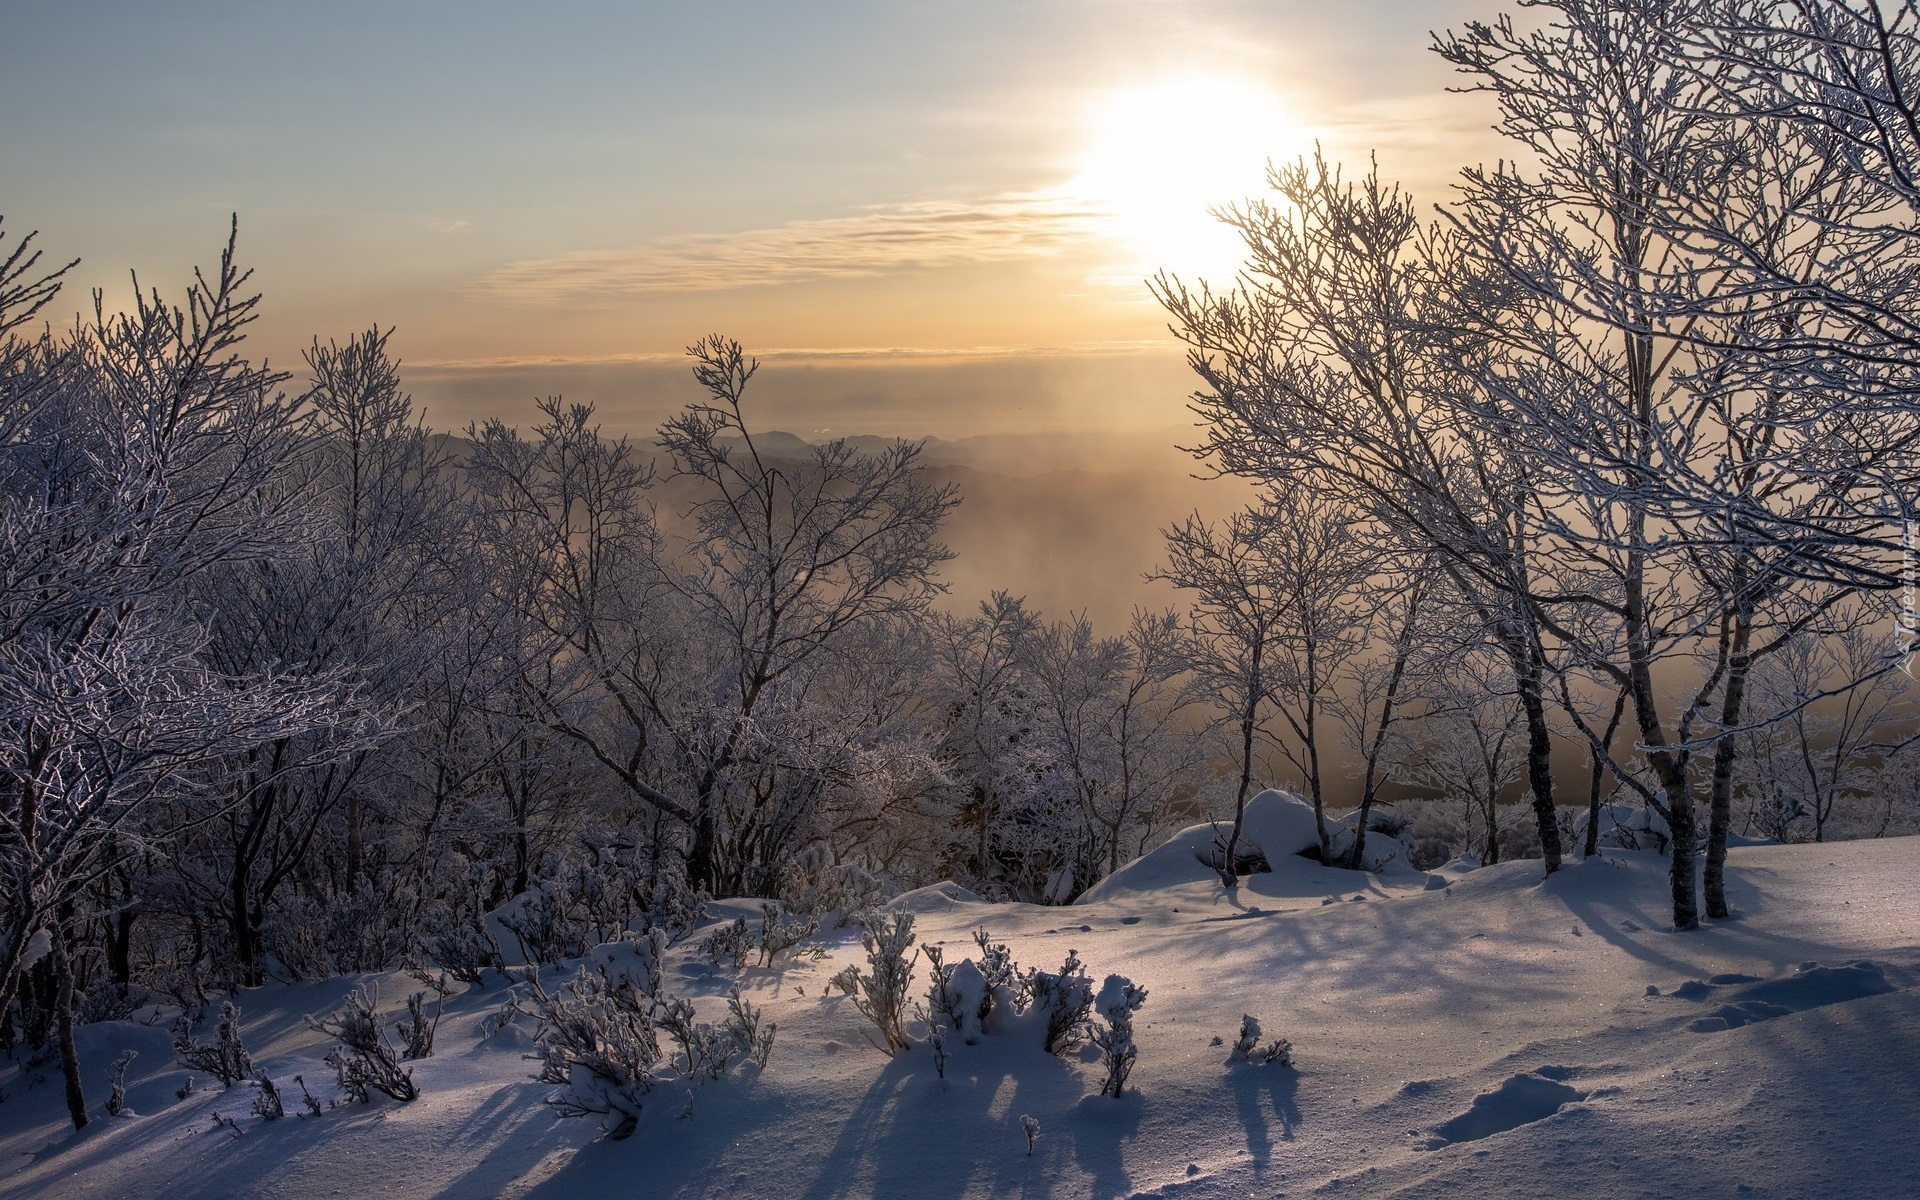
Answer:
(1496, 1037)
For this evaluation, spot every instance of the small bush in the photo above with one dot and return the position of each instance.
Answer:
(598, 1045)
(883, 989)
(745, 1025)
(815, 886)
(464, 949)
(847, 979)
(729, 943)
(1119, 999)
(416, 1031)
(117, 1082)
(1066, 997)
(1247, 1047)
(778, 934)
(307, 1099)
(224, 1058)
(365, 1059)
(266, 1101)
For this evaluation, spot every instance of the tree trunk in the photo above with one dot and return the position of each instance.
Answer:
(1540, 762)
(1720, 812)
(356, 842)
(1229, 877)
(63, 1026)
(246, 932)
(1599, 754)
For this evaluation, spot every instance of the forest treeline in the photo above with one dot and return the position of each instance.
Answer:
(1615, 448)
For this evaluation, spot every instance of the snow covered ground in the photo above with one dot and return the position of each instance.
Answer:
(1494, 1037)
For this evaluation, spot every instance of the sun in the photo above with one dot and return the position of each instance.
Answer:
(1158, 156)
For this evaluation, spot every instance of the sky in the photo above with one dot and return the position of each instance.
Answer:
(926, 218)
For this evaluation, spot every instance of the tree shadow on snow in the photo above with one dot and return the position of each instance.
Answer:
(1263, 1097)
(914, 1134)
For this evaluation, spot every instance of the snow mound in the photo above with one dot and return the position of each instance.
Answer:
(1519, 1100)
(1751, 999)
(1626, 827)
(935, 897)
(1278, 825)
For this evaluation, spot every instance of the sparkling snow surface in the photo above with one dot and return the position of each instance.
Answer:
(1494, 1037)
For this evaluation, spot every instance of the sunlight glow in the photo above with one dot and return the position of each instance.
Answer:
(1158, 156)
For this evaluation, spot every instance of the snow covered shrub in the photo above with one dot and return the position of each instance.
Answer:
(599, 1047)
(308, 1100)
(1030, 1127)
(779, 935)
(847, 979)
(462, 948)
(940, 1009)
(1249, 1039)
(1247, 1047)
(813, 885)
(599, 1034)
(365, 1058)
(957, 996)
(1065, 997)
(745, 1026)
(111, 1002)
(117, 1082)
(266, 1101)
(637, 960)
(1388, 823)
(315, 935)
(539, 921)
(225, 1058)
(674, 907)
(1119, 999)
(416, 1031)
(729, 943)
(503, 1018)
(937, 1039)
(883, 989)
(704, 1050)
(1006, 984)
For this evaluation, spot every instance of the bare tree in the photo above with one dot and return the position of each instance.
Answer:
(1269, 624)
(138, 455)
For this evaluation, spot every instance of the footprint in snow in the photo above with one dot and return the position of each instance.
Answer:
(1519, 1100)
(1748, 998)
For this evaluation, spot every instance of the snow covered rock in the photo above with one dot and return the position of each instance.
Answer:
(1278, 825)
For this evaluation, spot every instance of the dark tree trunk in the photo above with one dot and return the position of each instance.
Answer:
(246, 929)
(1600, 755)
(1540, 762)
(63, 1028)
(356, 842)
(1229, 877)
(1720, 812)
(120, 946)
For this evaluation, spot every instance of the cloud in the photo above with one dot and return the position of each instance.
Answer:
(846, 356)
(879, 241)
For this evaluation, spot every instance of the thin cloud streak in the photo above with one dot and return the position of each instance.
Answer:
(918, 236)
(851, 356)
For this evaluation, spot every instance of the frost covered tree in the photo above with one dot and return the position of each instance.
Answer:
(1269, 623)
(139, 453)
(361, 599)
(1686, 480)
(1338, 365)
(702, 658)
(985, 720)
(1110, 718)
